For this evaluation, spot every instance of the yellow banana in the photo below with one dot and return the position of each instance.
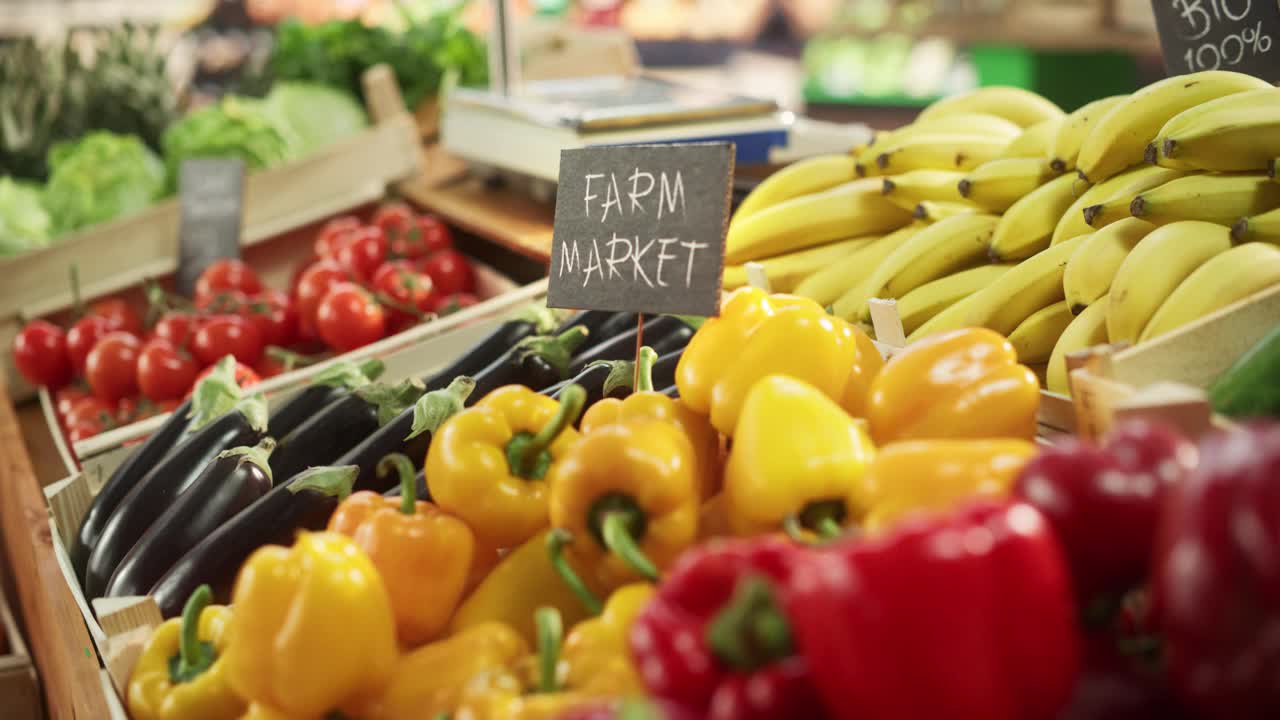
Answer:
(1088, 329)
(835, 279)
(1094, 263)
(963, 123)
(786, 271)
(803, 177)
(1155, 266)
(853, 209)
(1120, 137)
(1075, 128)
(939, 250)
(920, 185)
(1032, 284)
(1221, 199)
(1226, 278)
(1109, 201)
(1238, 132)
(1019, 106)
(997, 185)
(1262, 228)
(1034, 141)
(1028, 225)
(1035, 337)
(921, 304)
(952, 318)
(940, 151)
(930, 211)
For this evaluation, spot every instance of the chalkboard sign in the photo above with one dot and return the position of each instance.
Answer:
(640, 228)
(1234, 35)
(210, 195)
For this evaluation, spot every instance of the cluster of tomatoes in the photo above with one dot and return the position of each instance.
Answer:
(365, 282)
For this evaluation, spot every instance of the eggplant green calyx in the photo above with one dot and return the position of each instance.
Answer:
(259, 454)
(432, 409)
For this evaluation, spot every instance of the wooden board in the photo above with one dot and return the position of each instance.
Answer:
(505, 216)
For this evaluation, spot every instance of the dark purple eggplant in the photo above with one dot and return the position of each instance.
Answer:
(671, 392)
(328, 386)
(234, 480)
(663, 335)
(304, 502)
(664, 370)
(341, 425)
(482, 354)
(534, 362)
(614, 378)
(245, 424)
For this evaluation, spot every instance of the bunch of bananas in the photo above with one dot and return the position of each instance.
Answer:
(1119, 222)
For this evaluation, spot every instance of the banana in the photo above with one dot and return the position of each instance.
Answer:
(1222, 280)
(1030, 285)
(939, 250)
(996, 185)
(1094, 263)
(1028, 225)
(1089, 328)
(835, 279)
(1109, 201)
(917, 306)
(849, 210)
(934, 211)
(964, 123)
(1075, 127)
(939, 151)
(1019, 106)
(1156, 265)
(1120, 137)
(920, 185)
(1238, 132)
(786, 271)
(1034, 141)
(804, 177)
(1035, 337)
(1221, 199)
(1264, 228)
(952, 318)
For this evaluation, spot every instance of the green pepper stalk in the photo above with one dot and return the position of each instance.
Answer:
(527, 454)
(194, 656)
(408, 479)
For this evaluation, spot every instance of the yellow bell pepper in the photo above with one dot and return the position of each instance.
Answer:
(524, 580)
(487, 464)
(312, 630)
(596, 653)
(796, 458)
(644, 404)
(959, 384)
(423, 554)
(433, 679)
(858, 390)
(627, 496)
(926, 475)
(758, 335)
(180, 674)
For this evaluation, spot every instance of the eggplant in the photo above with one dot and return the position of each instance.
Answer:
(330, 385)
(304, 502)
(596, 378)
(482, 354)
(534, 362)
(234, 480)
(671, 392)
(664, 370)
(342, 424)
(245, 424)
(663, 335)
(419, 484)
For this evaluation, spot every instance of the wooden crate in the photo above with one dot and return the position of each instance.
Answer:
(19, 689)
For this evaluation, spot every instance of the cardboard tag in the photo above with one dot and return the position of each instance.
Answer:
(1236, 35)
(211, 198)
(887, 322)
(641, 228)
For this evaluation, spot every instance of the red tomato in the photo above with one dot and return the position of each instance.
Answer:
(312, 287)
(245, 376)
(164, 371)
(335, 233)
(84, 431)
(225, 276)
(120, 315)
(396, 220)
(269, 366)
(456, 302)
(130, 409)
(433, 236)
(273, 312)
(399, 283)
(176, 327)
(111, 367)
(221, 302)
(40, 353)
(83, 335)
(450, 271)
(226, 335)
(66, 398)
(89, 409)
(298, 272)
(349, 318)
(362, 255)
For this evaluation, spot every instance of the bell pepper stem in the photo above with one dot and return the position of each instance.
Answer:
(750, 631)
(523, 456)
(819, 517)
(557, 540)
(550, 638)
(404, 466)
(644, 369)
(194, 657)
(616, 529)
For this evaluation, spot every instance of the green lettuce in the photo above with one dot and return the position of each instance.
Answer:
(315, 115)
(100, 177)
(24, 223)
(233, 127)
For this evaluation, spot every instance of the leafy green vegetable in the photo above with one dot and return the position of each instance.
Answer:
(99, 177)
(315, 114)
(24, 224)
(233, 127)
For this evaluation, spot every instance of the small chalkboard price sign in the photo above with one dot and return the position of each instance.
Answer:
(641, 228)
(211, 197)
(1237, 35)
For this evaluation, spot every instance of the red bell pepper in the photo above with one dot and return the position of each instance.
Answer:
(1114, 687)
(1104, 503)
(965, 615)
(1216, 576)
(714, 639)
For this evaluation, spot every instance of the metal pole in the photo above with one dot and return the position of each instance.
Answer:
(504, 51)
